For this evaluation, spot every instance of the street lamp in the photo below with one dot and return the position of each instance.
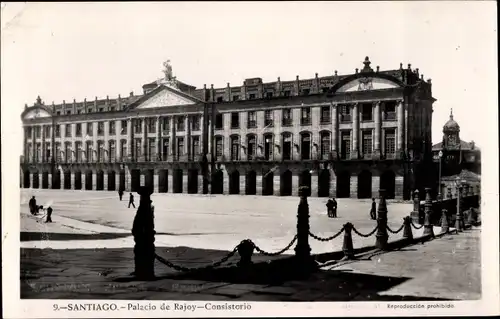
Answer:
(439, 185)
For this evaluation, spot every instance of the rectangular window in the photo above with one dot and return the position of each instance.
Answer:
(325, 115)
(166, 125)
(251, 146)
(325, 145)
(112, 128)
(38, 132)
(252, 120)
(88, 151)
(366, 112)
(268, 118)
(180, 123)
(138, 149)
(287, 93)
(112, 151)
(305, 118)
(68, 112)
(137, 126)
(78, 151)
(218, 121)
(235, 148)
(58, 130)
(151, 125)
(47, 132)
(287, 146)
(345, 147)
(251, 96)
(124, 124)
(195, 122)
(389, 111)
(390, 142)
(306, 91)
(269, 95)
(367, 143)
(165, 148)
(78, 129)
(67, 130)
(180, 146)
(219, 146)
(195, 146)
(220, 99)
(345, 114)
(100, 151)
(100, 128)
(89, 110)
(286, 119)
(152, 149)
(90, 130)
(123, 148)
(235, 120)
(58, 113)
(57, 151)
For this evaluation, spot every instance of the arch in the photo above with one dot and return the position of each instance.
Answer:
(149, 179)
(177, 181)
(111, 181)
(88, 180)
(67, 180)
(353, 77)
(268, 183)
(135, 180)
(365, 184)
(99, 180)
(78, 180)
(26, 179)
(36, 179)
(45, 180)
(324, 183)
(234, 182)
(218, 182)
(388, 182)
(192, 181)
(251, 183)
(122, 180)
(344, 184)
(163, 181)
(286, 183)
(305, 179)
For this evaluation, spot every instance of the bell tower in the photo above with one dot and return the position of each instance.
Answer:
(451, 134)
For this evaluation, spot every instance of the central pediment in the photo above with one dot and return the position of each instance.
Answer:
(164, 96)
(367, 84)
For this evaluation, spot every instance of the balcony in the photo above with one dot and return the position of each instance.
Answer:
(268, 123)
(389, 116)
(252, 124)
(345, 118)
(326, 120)
(305, 121)
(286, 122)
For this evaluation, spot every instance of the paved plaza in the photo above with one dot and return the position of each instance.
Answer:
(87, 250)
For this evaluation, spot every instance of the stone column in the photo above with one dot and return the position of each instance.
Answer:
(158, 139)
(33, 144)
(335, 130)
(94, 146)
(73, 142)
(43, 143)
(52, 146)
(378, 128)
(187, 144)
(400, 137)
(173, 142)
(130, 139)
(355, 132)
(144, 128)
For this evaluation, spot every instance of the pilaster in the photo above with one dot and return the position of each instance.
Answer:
(295, 183)
(333, 183)
(353, 187)
(375, 186)
(378, 129)
(314, 183)
(355, 132)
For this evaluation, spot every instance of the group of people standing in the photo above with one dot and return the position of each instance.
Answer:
(35, 209)
(331, 208)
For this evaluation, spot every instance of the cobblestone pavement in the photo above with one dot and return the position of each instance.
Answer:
(207, 221)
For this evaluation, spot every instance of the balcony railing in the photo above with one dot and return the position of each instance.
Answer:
(252, 124)
(268, 123)
(305, 121)
(326, 120)
(345, 118)
(286, 122)
(389, 116)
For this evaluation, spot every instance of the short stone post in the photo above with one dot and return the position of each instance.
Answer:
(428, 228)
(245, 249)
(347, 246)
(407, 233)
(382, 236)
(416, 207)
(302, 249)
(448, 193)
(444, 221)
(143, 231)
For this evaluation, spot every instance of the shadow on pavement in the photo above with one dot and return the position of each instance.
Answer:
(40, 236)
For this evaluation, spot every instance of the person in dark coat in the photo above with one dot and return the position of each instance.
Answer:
(131, 201)
(334, 211)
(49, 215)
(32, 205)
(373, 210)
(120, 194)
(329, 208)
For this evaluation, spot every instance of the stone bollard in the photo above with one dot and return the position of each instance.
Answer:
(144, 237)
(428, 228)
(302, 249)
(415, 214)
(347, 246)
(382, 236)
(459, 222)
(448, 193)
(445, 228)
(407, 228)
(245, 249)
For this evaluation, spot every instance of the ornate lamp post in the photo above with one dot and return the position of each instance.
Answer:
(439, 184)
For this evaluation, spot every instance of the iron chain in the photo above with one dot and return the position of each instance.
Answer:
(365, 235)
(416, 226)
(276, 253)
(396, 231)
(328, 238)
(185, 269)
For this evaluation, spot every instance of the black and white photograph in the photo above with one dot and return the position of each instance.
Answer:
(170, 159)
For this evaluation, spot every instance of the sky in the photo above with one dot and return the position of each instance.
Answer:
(66, 51)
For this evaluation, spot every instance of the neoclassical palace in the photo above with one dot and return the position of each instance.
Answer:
(342, 135)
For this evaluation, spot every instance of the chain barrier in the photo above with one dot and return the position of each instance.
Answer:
(395, 231)
(414, 226)
(276, 253)
(364, 235)
(185, 269)
(328, 238)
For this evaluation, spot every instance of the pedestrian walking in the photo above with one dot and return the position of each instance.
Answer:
(131, 201)
(334, 208)
(32, 205)
(373, 210)
(329, 208)
(120, 194)
(49, 215)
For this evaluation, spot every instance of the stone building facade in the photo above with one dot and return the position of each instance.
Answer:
(342, 135)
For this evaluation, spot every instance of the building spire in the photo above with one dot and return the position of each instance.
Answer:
(451, 114)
